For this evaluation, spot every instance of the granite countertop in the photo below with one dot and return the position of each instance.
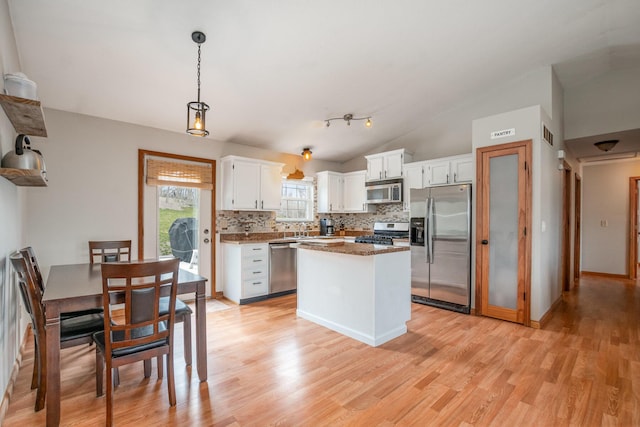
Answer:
(275, 237)
(362, 249)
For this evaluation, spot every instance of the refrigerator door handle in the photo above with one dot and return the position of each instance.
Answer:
(429, 237)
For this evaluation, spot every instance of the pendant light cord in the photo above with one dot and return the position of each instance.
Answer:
(198, 72)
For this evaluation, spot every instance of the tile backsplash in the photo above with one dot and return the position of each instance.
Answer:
(265, 221)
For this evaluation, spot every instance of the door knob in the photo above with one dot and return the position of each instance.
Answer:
(485, 242)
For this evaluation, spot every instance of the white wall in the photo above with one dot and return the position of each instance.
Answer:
(606, 198)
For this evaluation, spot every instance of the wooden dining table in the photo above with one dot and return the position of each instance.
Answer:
(79, 287)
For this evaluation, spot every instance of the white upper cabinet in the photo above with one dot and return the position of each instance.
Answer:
(449, 170)
(330, 192)
(462, 169)
(386, 165)
(341, 192)
(355, 194)
(250, 184)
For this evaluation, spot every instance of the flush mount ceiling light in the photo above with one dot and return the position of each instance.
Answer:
(348, 118)
(606, 145)
(306, 154)
(196, 125)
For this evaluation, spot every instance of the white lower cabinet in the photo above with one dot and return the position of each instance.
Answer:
(246, 271)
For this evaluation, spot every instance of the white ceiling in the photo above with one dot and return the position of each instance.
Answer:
(273, 70)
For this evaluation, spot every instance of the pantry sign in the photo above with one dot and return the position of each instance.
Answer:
(503, 133)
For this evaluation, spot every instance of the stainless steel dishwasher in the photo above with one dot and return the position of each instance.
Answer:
(283, 274)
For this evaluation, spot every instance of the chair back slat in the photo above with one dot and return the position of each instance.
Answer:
(31, 297)
(109, 251)
(32, 264)
(142, 283)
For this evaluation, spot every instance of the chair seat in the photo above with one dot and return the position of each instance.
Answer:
(70, 314)
(80, 326)
(98, 338)
(181, 307)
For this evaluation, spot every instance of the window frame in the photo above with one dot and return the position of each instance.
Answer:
(308, 182)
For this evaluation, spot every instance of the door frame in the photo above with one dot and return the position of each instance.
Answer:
(525, 247)
(577, 225)
(565, 269)
(633, 227)
(141, 157)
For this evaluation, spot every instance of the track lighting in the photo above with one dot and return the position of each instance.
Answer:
(348, 118)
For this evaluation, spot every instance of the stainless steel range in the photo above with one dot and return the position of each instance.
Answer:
(385, 232)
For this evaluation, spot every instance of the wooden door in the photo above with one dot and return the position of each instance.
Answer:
(577, 227)
(503, 221)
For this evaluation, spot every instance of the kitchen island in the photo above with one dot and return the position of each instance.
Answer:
(360, 290)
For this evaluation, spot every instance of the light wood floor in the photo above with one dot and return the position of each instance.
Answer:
(267, 367)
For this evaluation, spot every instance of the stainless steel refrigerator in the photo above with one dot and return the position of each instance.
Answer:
(441, 246)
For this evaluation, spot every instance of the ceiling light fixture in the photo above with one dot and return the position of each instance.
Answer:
(196, 125)
(306, 154)
(606, 145)
(348, 118)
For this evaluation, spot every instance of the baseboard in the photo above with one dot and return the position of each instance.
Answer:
(6, 397)
(598, 274)
(535, 324)
(218, 295)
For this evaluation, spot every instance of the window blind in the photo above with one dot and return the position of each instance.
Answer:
(180, 174)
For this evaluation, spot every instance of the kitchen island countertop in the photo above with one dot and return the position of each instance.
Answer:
(362, 249)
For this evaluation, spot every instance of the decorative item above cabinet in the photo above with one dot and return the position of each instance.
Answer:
(25, 115)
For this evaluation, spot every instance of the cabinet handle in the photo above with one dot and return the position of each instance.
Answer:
(447, 178)
(256, 249)
(256, 283)
(257, 272)
(256, 204)
(380, 174)
(257, 260)
(262, 204)
(330, 206)
(385, 174)
(455, 177)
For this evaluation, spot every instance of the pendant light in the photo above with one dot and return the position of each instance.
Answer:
(196, 124)
(306, 154)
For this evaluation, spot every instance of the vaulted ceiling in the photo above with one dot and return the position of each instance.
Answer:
(273, 70)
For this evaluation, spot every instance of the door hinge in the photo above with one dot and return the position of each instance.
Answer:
(526, 166)
(233, 166)
(524, 296)
(525, 231)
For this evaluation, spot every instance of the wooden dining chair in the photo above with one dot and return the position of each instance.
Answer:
(73, 331)
(109, 250)
(120, 250)
(32, 264)
(143, 332)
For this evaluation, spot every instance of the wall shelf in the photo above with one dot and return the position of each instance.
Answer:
(25, 115)
(25, 177)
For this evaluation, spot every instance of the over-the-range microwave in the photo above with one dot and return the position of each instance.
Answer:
(389, 191)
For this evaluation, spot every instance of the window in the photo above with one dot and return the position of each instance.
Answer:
(297, 201)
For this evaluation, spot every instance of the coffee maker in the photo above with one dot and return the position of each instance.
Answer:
(326, 227)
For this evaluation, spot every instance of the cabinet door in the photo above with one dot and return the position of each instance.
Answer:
(335, 193)
(414, 176)
(375, 168)
(439, 172)
(246, 185)
(354, 192)
(393, 166)
(462, 169)
(270, 187)
(323, 192)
